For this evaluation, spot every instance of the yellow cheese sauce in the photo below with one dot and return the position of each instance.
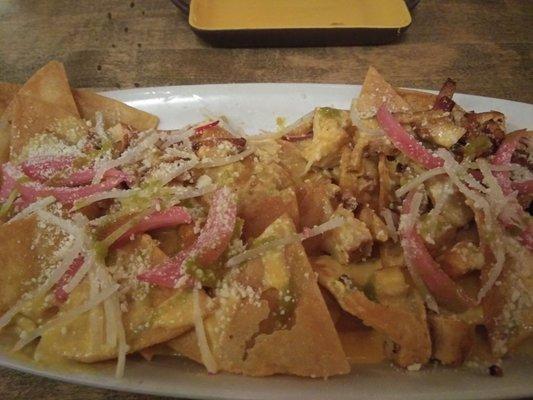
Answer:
(275, 14)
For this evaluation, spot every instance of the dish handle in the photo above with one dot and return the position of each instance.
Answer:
(183, 5)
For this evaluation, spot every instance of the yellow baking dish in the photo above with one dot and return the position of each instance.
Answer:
(297, 22)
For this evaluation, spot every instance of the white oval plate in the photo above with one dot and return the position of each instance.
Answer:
(255, 107)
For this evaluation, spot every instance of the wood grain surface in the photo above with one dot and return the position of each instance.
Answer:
(107, 44)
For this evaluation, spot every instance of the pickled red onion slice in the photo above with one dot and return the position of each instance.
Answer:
(406, 143)
(160, 219)
(441, 286)
(208, 247)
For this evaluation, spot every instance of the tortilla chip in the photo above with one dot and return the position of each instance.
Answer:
(375, 92)
(363, 346)
(508, 314)
(5, 136)
(291, 158)
(7, 92)
(261, 210)
(30, 117)
(402, 320)
(27, 258)
(40, 105)
(113, 111)
(50, 84)
(150, 315)
(418, 101)
(329, 136)
(186, 345)
(272, 317)
(19, 263)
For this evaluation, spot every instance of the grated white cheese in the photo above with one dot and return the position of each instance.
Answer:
(407, 221)
(80, 274)
(207, 357)
(307, 119)
(34, 207)
(456, 173)
(297, 237)
(131, 155)
(416, 182)
(167, 172)
(112, 194)
(218, 162)
(494, 272)
(66, 317)
(110, 323)
(389, 223)
(498, 201)
(99, 126)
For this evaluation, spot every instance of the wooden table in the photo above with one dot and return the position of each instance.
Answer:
(485, 45)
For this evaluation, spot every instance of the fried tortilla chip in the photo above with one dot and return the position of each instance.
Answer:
(50, 84)
(5, 135)
(7, 92)
(150, 315)
(31, 117)
(452, 338)
(27, 258)
(186, 345)
(402, 320)
(329, 136)
(418, 101)
(508, 306)
(272, 317)
(375, 92)
(20, 260)
(42, 104)
(260, 210)
(113, 111)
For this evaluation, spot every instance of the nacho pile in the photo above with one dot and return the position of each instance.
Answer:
(399, 230)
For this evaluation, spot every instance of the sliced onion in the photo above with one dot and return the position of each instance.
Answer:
(505, 152)
(60, 294)
(160, 219)
(523, 187)
(445, 290)
(201, 129)
(84, 177)
(80, 274)
(42, 169)
(218, 162)
(406, 143)
(169, 274)
(211, 243)
(503, 156)
(30, 192)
